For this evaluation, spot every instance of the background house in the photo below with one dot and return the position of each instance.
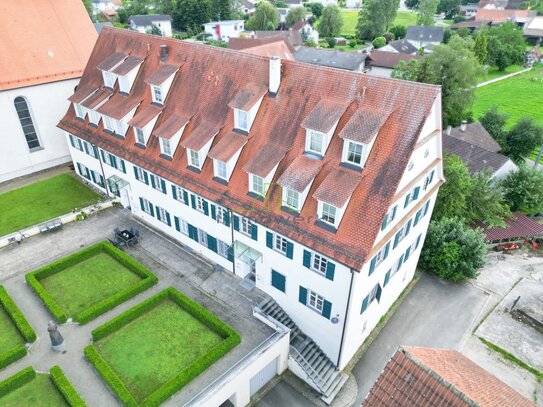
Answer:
(268, 47)
(353, 3)
(49, 42)
(424, 36)
(350, 61)
(224, 30)
(307, 31)
(402, 46)
(145, 23)
(382, 63)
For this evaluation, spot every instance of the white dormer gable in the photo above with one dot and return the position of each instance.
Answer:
(356, 153)
(198, 142)
(161, 81)
(119, 126)
(246, 104)
(169, 133)
(126, 73)
(225, 154)
(330, 214)
(108, 65)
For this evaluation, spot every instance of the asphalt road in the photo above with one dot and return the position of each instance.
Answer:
(435, 314)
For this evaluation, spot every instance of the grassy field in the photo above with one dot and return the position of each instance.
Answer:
(156, 347)
(10, 336)
(494, 73)
(350, 18)
(42, 201)
(85, 284)
(39, 392)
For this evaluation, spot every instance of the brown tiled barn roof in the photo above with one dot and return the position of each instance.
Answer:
(210, 77)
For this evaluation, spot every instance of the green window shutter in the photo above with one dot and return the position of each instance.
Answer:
(136, 173)
(378, 294)
(168, 219)
(372, 265)
(113, 160)
(153, 178)
(385, 223)
(213, 212)
(406, 200)
(365, 304)
(212, 243)
(95, 149)
(278, 280)
(86, 148)
(254, 232)
(93, 176)
(416, 196)
(307, 259)
(177, 225)
(102, 181)
(417, 217)
(206, 208)
(230, 253)
(163, 184)
(123, 166)
(290, 250)
(146, 177)
(236, 223)
(418, 241)
(174, 192)
(396, 239)
(79, 169)
(103, 154)
(407, 254)
(151, 209)
(185, 197)
(302, 295)
(226, 217)
(141, 205)
(394, 212)
(326, 309)
(408, 227)
(193, 201)
(330, 270)
(269, 240)
(387, 278)
(387, 248)
(71, 140)
(426, 208)
(193, 232)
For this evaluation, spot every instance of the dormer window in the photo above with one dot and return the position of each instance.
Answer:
(315, 142)
(246, 104)
(140, 136)
(354, 152)
(292, 199)
(157, 94)
(114, 125)
(220, 169)
(242, 120)
(165, 147)
(256, 185)
(109, 79)
(296, 181)
(328, 214)
(194, 158)
(79, 112)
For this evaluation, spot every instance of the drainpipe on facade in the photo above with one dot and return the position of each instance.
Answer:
(95, 147)
(345, 318)
(231, 214)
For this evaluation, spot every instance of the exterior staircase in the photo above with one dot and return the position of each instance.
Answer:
(319, 369)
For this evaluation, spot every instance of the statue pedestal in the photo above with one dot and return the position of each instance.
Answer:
(60, 347)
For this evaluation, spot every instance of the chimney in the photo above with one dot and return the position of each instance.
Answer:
(463, 125)
(164, 52)
(275, 75)
(448, 131)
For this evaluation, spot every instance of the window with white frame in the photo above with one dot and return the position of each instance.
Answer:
(381, 255)
(183, 226)
(109, 124)
(354, 153)
(140, 174)
(293, 199)
(194, 158)
(222, 248)
(242, 119)
(94, 117)
(146, 206)
(319, 263)
(79, 111)
(109, 79)
(246, 227)
(220, 168)
(315, 301)
(156, 182)
(280, 244)
(316, 142)
(200, 203)
(396, 266)
(202, 237)
(119, 128)
(373, 293)
(140, 137)
(257, 185)
(180, 194)
(389, 217)
(161, 214)
(166, 147)
(329, 213)
(157, 94)
(429, 179)
(412, 196)
(402, 233)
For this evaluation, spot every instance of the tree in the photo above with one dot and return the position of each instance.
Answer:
(523, 190)
(379, 42)
(486, 201)
(294, 15)
(426, 12)
(375, 18)
(454, 193)
(412, 4)
(505, 45)
(316, 9)
(155, 30)
(447, 35)
(136, 7)
(332, 42)
(221, 10)
(453, 250)
(165, 6)
(331, 21)
(480, 48)
(448, 7)
(191, 14)
(494, 121)
(399, 31)
(522, 139)
(88, 7)
(265, 17)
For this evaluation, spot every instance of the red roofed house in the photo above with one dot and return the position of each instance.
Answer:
(316, 184)
(44, 47)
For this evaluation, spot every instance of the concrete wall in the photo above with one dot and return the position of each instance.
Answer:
(47, 103)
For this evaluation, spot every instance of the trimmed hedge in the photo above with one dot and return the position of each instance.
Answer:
(17, 316)
(148, 280)
(12, 355)
(17, 380)
(164, 392)
(66, 388)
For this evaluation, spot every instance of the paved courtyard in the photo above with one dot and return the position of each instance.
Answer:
(219, 292)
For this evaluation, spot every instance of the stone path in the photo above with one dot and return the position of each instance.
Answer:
(501, 78)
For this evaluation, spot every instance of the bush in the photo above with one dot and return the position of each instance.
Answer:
(17, 380)
(66, 388)
(17, 316)
(523, 190)
(148, 280)
(12, 355)
(379, 42)
(352, 43)
(452, 250)
(331, 42)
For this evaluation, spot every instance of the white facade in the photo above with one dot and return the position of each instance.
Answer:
(353, 3)
(309, 33)
(47, 103)
(327, 2)
(164, 25)
(224, 30)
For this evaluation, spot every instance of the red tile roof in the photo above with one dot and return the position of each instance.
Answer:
(81, 93)
(324, 115)
(517, 226)
(199, 135)
(127, 65)
(208, 80)
(161, 74)
(270, 46)
(503, 15)
(248, 96)
(300, 173)
(229, 145)
(118, 106)
(385, 59)
(171, 125)
(364, 124)
(96, 98)
(144, 115)
(424, 377)
(111, 61)
(337, 187)
(43, 41)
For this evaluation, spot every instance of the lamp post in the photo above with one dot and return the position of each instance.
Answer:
(538, 156)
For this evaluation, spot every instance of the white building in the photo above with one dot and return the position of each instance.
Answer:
(327, 2)
(315, 184)
(145, 23)
(224, 30)
(353, 3)
(307, 31)
(39, 70)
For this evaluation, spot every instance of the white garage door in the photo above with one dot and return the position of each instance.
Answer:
(264, 376)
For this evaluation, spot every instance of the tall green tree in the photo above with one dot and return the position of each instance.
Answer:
(266, 16)
(480, 49)
(88, 7)
(426, 11)
(136, 7)
(523, 190)
(399, 31)
(221, 10)
(494, 122)
(486, 201)
(294, 15)
(454, 193)
(448, 7)
(165, 6)
(375, 18)
(189, 15)
(331, 21)
(522, 139)
(506, 45)
(316, 9)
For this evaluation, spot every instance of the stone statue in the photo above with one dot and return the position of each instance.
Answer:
(57, 341)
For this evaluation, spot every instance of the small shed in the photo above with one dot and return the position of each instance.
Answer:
(518, 227)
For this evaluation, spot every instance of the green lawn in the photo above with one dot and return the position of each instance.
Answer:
(494, 73)
(42, 201)
(156, 347)
(350, 18)
(10, 337)
(88, 282)
(39, 392)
